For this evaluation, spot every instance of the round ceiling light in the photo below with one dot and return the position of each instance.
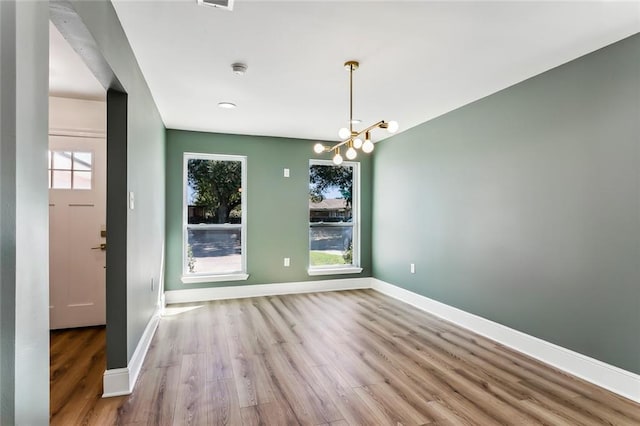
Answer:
(227, 105)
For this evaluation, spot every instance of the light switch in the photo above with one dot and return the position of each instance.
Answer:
(287, 262)
(413, 268)
(132, 201)
(286, 172)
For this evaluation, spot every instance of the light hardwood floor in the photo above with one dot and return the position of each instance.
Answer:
(77, 362)
(347, 358)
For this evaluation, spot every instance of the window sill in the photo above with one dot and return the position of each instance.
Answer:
(334, 271)
(213, 278)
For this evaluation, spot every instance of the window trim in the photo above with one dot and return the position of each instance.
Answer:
(203, 277)
(355, 267)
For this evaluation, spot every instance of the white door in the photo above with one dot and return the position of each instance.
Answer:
(77, 233)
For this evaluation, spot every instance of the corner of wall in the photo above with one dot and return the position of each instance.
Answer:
(121, 381)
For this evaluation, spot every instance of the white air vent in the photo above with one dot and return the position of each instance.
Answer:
(221, 4)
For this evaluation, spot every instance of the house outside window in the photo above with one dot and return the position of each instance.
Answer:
(334, 218)
(214, 218)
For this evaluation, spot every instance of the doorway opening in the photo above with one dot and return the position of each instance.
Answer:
(77, 231)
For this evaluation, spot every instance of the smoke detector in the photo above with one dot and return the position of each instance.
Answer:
(239, 68)
(220, 4)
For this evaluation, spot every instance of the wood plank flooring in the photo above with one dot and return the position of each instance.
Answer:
(343, 358)
(77, 363)
(348, 358)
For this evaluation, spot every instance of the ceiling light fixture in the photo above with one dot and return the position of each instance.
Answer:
(351, 137)
(227, 105)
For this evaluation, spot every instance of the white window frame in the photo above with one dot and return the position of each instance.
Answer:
(190, 278)
(354, 268)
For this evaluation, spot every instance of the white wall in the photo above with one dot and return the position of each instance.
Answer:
(24, 285)
(67, 115)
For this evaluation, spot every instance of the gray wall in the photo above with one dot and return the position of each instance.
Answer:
(145, 138)
(117, 212)
(524, 207)
(24, 224)
(277, 207)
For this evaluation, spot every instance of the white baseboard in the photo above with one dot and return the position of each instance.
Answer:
(115, 382)
(243, 291)
(615, 379)
(120, 381)
(162, 303)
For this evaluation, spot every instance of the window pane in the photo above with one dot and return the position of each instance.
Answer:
(214, 191)
(330, 245)
(330, 193)
(331, 212)
(216, 251)
(213, 198)
(61, 179)
(61, 160)
(82, 161)
(81, 180)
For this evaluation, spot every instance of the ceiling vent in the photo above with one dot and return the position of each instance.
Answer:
(220, 4)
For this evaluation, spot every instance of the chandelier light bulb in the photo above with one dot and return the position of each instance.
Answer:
(318, 148)
(351, 153)
(367, 146)
(337, 159)
(392, 126)
(344, 133)
(357, 143)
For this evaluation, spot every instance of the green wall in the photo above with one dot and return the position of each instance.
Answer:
(277, 207)
(524, 207)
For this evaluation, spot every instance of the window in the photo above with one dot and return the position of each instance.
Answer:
(214, 218)
(70, 170)
(334, 225)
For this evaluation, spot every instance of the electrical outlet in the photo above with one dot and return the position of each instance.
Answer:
(412, 268)
(287, 262)
(286, 172)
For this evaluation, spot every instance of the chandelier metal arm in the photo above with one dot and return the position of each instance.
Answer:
(354, 134)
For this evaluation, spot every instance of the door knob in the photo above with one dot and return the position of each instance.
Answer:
(102, 246)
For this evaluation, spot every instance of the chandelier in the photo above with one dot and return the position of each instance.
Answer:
(350, 137)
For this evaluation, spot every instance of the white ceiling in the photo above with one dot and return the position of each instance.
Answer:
(69, 77)
(418, 60)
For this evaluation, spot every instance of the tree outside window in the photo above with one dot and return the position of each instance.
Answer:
(214, 225)
(332, 215)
